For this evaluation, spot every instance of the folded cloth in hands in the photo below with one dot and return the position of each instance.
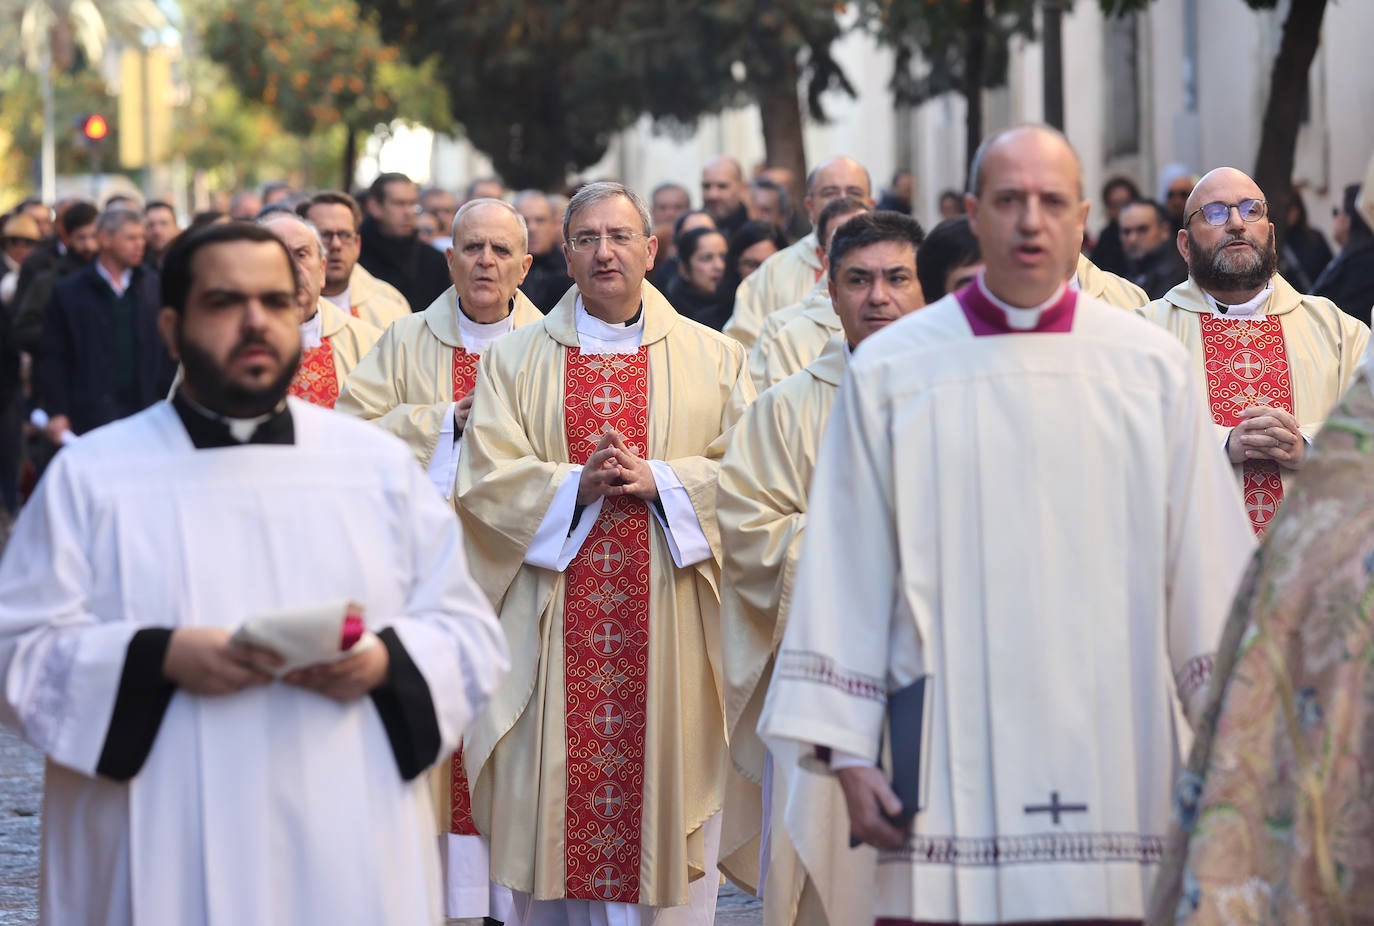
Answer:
(308, 636)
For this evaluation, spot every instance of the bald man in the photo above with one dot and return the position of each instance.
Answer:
(1275, 361)
(787, 276)
(723, 193)
(962, 437)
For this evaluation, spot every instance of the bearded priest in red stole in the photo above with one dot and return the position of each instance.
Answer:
(587, 484)
(1018, 505)
(332, 341)
(1274, 361)
(417, 383)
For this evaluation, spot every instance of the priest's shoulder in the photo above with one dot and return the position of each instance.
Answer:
(930, 328)
(686, 329)
(323, 427)
(793, 400)
(1133, 330)
(152, 431)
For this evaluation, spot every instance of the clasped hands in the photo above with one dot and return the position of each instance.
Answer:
(206, 661)
(614, 469)
(1266, 433)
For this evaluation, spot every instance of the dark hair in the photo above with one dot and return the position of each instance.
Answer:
(688, 243)
(784, 201)
(950, 245)
(1297, 200)
(159, 204)
(1161, 214)
(1359, 229)
(378, 189)
(748, 235)
(1120, 182)
(873, 228)
(79, 215)
(845, 205)
(332, 198)
(176, 268)
(208, 217)
(954, 195)
(682, 219)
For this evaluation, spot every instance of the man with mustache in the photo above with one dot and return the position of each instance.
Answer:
(1275, 361)
(284, 796)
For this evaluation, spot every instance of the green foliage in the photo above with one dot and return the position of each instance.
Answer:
(315, 65)
(541, 86)
(75, 96)
(935, 34)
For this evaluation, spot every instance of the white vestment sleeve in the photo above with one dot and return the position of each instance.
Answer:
(686, 540)
(448, 629)
(850, 634)
(443, 466)
(60, 662)
(556, 541)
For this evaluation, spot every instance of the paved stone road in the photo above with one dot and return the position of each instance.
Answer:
(21, 788)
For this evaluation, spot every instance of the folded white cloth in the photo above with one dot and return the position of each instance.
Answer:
(309, 636)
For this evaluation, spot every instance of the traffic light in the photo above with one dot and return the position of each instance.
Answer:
(95, 128)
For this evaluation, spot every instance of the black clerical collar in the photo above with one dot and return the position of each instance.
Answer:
(208, 430)
(634, 319)
(510, 307)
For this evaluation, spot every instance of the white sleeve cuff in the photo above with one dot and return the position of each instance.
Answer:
(553, 546)
(682, 528)
(443, 465)
(840, 759)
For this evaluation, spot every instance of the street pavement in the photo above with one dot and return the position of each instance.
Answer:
(21, 791)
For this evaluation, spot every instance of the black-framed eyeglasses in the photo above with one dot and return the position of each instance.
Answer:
(1218, 213)
(345, 237)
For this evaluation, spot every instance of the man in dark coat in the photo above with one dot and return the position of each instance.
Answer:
(391, 250)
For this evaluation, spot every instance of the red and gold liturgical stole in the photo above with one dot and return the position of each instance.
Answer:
(316, 381)
(460, 795)
(1246, 363)
(606, 640)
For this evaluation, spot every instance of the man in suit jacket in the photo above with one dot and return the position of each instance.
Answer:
(102, 358)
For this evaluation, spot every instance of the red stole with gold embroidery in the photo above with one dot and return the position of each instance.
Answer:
(460, 795)
(1246, 364)
(606, 640)
(316, 381)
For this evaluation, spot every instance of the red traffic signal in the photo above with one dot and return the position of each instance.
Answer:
(95, 127)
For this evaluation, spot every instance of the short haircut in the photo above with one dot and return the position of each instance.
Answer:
(478, 181)
(682, 220)
(112, 220)
(1350, 197)
(670, 185)
(160, 204)
(975, 170)
(954, 195)
(472, 204)
(784, 201)
(602, 190)
(1120, 182)
(269, 218)
(78, 215)
(378, 189)
(949, 246)
(332, 198)
(750, 234)
(687, 246)
(1161, 214)
(873, 228)
(176, 267)
(898, 174)
(845, 205)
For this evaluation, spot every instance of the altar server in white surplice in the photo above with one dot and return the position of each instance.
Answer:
(1018, 498)
(184, 784)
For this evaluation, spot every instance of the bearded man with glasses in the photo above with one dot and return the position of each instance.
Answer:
(587, 490)
(1275, 361)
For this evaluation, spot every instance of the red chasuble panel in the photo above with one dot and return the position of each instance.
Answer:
(606, 641)
(1246, 363)
(460, 795)
(316, 380)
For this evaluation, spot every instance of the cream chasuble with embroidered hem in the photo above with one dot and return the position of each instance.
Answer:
(1305, 360)
(405, 384)
(781, 280)
(764, 479)
(968, 523)
(514, 470)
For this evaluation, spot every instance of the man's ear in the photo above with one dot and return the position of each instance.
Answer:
(169, 326)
